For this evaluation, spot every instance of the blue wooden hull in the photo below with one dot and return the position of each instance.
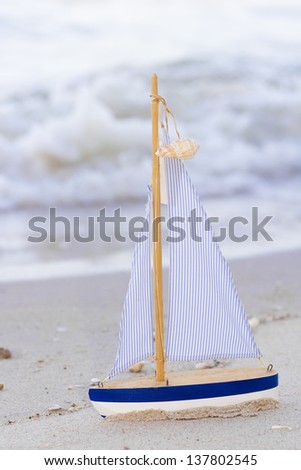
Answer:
(174, 397)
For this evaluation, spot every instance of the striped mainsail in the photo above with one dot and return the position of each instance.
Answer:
(136, 327)
(206, 319)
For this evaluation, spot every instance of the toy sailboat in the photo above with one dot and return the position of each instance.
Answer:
(206, 319)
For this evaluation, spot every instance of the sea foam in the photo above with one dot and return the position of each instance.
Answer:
(75, 105)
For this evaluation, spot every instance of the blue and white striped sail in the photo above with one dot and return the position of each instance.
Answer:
(136, 328)
(206, 319)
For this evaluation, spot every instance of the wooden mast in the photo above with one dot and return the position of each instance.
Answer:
(157, 237)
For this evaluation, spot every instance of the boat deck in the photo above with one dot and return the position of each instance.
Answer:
(192, 377)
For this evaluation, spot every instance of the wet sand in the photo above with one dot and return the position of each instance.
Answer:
(63, 332)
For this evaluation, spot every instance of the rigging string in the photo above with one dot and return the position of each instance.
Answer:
(268, 367)
(166, 112)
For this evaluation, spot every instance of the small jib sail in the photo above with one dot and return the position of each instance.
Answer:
(136, 328)
(206, 319)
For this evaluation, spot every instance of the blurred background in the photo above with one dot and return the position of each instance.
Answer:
(75, 117)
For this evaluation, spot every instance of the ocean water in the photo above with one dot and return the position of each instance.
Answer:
(75, 107)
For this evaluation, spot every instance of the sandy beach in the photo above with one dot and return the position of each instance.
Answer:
(63, 332)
